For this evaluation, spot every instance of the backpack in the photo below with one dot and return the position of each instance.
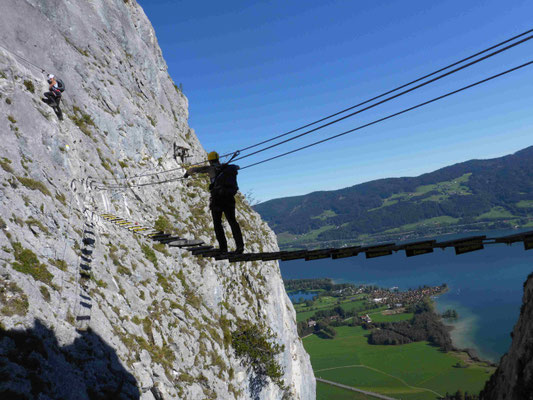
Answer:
(225, 182)
(60, 85)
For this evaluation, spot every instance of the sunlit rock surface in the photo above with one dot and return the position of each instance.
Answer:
(162, 322)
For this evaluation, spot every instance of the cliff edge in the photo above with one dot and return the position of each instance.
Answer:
(89, 310)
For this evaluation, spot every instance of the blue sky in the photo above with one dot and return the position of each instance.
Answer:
(254, 69)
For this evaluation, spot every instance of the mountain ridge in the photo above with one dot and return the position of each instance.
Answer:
(479, 192)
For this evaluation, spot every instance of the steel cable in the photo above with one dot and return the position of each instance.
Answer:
(393, 115)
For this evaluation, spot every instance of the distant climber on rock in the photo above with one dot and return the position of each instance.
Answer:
(53, 96)
(223, 188)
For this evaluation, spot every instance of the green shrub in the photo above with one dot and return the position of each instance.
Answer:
(8, 101)
(149, 254)
(160, 247)
(163, 282)
(61, 264)
(29, 86)
(254, 344)
(61, 198)
(32, 221)
(12, 119)
(45, 293)
(82, 120)
(27, 262)
(13, 300)
(163, 224)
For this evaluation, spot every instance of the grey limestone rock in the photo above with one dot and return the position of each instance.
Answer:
(151, 322)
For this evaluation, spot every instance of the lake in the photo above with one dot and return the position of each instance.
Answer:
(485, 287)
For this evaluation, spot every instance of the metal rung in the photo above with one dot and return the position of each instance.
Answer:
(171, 239)
(85, 267)
(201, 249)
(86, 305)
(85, 297)
(89, 241)
(83, 318)
(161, 237)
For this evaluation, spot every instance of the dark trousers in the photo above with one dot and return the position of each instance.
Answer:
(53, 101)
(226, 207)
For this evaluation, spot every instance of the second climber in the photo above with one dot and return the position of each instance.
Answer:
(223, 188)
(53, 96)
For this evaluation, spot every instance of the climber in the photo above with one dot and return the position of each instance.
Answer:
(223, 188)
(53, 96)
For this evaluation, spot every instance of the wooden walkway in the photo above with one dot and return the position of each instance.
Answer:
(197, 247)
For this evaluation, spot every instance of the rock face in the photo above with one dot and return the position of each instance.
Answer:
(513, 380)
(151, 322)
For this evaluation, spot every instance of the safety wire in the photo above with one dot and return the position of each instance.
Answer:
(354, 129)
(63, 258)
(389, 98)
(359, 104)
(24, 59)
(391, 115)
(388, 92)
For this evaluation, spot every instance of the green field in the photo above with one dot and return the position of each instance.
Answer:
(425, 223)
(525, 204)
(495, 212)
(328, 302)
(444, 189)
(325, 392)
(379, 317)
(415, 371)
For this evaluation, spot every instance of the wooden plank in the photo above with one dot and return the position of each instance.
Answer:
(468, 247)
(318, 254)
(380, 250)
(293, 255)
(344, 252)
(460, 242)
(271, 256)
(417, 248)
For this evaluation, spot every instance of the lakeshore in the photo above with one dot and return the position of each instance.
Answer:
(372, 340)
(484, 287)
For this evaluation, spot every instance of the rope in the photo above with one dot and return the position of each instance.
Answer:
(388, 98)
(392, 115)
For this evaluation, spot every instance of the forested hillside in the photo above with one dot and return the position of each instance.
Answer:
(484, 194)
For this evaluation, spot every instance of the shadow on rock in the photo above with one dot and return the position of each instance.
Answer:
(34, 366)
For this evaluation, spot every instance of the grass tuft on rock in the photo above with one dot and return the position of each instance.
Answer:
(29, 86)
(33, 184)
(149, 254)
(27, 262)
(13, 300)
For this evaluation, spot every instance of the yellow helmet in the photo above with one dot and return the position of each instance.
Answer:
(212, 156)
